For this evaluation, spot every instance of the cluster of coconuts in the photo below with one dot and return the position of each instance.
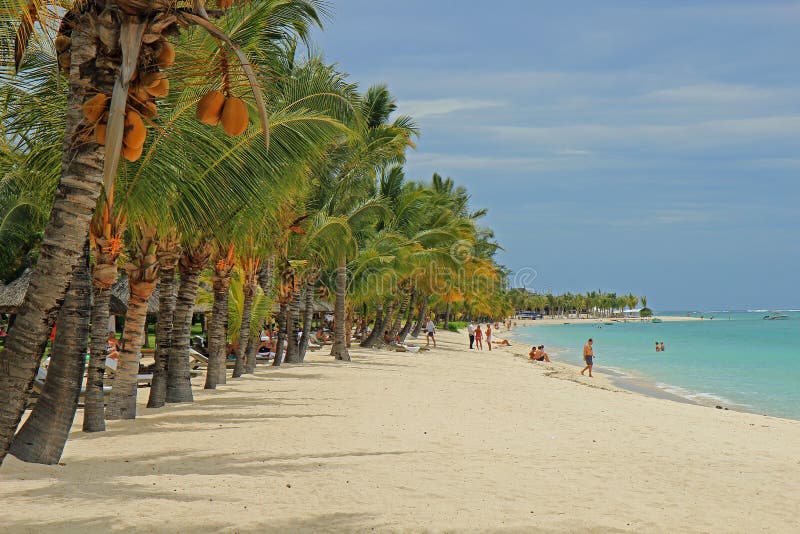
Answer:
(145, 87)
(147, 83)
(231, 112)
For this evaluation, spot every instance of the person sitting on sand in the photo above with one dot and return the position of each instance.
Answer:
(543, 357)
(532, 353)
(479, 338)
(588, 357)
(386, 338)
(112, 347)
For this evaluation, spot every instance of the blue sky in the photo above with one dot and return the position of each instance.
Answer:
(651, 147)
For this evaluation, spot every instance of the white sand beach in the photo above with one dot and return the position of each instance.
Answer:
(446, 440)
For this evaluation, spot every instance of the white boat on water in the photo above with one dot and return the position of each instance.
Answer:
(775, 316)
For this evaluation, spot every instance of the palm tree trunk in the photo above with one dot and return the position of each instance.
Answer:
(94, 419)
(370, 341)
(106, 236)
(265, 281)
(215, 374)
(65, 234)
(349, 317)
(168, 258)
(410, 317)
(339, 349)
(244, 329)
(423, 313)
(376, 337)
(179, 384)
(281, 335)
(395, 328)
(122, 400)
(43, 436)
(447, 314)
(292, 352)
(307, 318)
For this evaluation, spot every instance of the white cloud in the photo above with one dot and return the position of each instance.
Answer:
(444, 106)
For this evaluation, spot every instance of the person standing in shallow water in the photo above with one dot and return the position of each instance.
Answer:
(658, 348)
(662, 347)
(588, 357)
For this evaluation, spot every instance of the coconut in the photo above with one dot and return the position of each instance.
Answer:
(135, 131)
(149, 79)
(148, 109)
(94, 108)
(166, 56)
(234, 116)
(132, 153)
(209, 108)
(159, 89)
(65, 61)
(100, 133)
(62, 43)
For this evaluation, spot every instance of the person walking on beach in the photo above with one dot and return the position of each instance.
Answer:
(588, 357)
(471, 332)
(479, 338)
(489, 336)
(430, 330)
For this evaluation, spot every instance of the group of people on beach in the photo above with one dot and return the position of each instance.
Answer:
(477, 336)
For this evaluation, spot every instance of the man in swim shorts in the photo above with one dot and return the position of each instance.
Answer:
(588, 357)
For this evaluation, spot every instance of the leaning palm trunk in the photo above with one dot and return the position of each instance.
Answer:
(376, 337)
(65, 235)
(122, 400)
(179, 385)
(244, 329)
(423, 313)
(339, 350)
(168, 256)
(142, 276)
(410, 318)
(308, 317)
(281, 335)
(43, 436)
(378, 320)
(215, 374)
(447, 314)
(395, 328)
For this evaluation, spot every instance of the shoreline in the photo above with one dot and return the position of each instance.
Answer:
(633, 382)
(595, 320)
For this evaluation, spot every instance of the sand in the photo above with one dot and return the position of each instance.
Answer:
(448, 440)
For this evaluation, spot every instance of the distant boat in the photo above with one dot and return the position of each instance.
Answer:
(774, 316)
(657, 320)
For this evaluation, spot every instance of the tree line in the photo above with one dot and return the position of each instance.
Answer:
(190, 145)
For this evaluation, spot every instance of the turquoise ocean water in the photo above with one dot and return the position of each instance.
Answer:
(737, 359)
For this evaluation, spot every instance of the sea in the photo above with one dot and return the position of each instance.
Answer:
(737, 360)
